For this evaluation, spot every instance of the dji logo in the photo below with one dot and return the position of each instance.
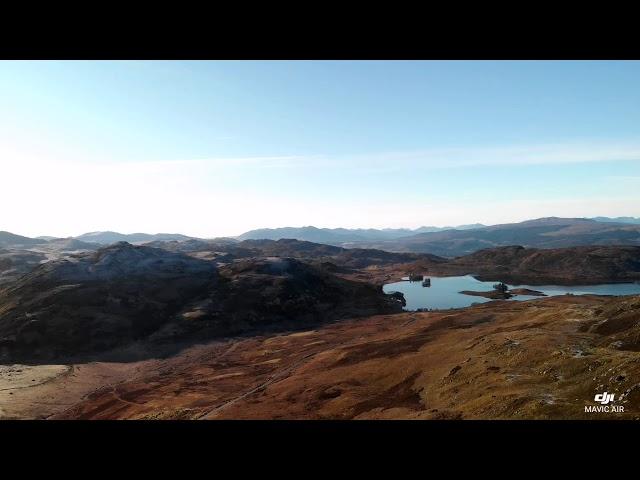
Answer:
(603, 398)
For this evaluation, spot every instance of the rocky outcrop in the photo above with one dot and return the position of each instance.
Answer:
(14, 263)
(284, 289)
(276, 293)
(97, 301)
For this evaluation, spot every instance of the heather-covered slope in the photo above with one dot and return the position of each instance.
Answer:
(542, 359)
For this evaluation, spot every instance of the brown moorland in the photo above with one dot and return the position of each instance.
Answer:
(538, 359)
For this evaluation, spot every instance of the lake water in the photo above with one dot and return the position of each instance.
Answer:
(443, 292)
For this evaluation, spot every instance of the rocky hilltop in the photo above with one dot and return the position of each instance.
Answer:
(286, 291)
(123, 295)
(16, 261)
(97, 301)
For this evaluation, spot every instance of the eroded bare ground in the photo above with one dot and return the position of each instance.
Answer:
(538, 359)
(38, 391)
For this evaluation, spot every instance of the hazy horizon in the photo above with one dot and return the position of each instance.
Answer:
(217, 148)
(299, 227)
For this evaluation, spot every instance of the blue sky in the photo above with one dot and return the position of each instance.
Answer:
(217, 148)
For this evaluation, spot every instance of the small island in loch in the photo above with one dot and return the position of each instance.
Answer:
(502, 292)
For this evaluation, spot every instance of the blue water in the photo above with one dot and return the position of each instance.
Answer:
(443, 292)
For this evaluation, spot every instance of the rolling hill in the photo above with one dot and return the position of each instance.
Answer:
(8, 239)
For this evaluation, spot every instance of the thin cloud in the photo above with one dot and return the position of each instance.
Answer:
(512, 156)
(441, 158)
(383, 162)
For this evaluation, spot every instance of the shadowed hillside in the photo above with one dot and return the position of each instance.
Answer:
(121, 294)
(565, 266)
(97, 301)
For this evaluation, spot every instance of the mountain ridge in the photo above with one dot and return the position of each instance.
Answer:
(108, 237)
(343, 235)
(550, 232)
(392, 239)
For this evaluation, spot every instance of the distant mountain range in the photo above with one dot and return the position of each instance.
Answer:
(549, 232)
(8, 239)
(352, 237)
(552, 232)
(634, 220)
(107, 238)
(342, 235)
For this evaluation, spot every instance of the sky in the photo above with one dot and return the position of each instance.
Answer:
(216, 148)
